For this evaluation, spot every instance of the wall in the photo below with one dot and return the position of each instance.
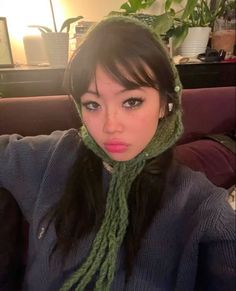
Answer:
(21, 13)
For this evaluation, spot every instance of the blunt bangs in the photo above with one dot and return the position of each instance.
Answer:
(128, 52)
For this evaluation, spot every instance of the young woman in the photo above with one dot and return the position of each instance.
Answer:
(108, 207)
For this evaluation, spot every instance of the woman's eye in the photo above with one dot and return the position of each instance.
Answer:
(91, 105)
(133, 102)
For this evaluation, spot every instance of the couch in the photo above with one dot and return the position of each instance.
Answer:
(207, 111)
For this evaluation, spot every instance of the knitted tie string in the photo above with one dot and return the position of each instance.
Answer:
(110, 235)
(101, 259)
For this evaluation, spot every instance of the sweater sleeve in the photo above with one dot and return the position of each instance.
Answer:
(23, 161)
(207, 260)
(217, 256)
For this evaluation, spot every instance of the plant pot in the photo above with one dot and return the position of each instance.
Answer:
(224, 40)
(35, 50)
(195, 42)
(57, 46)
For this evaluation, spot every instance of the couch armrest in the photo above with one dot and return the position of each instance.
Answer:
(209, 157)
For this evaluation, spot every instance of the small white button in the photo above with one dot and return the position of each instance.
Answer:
(177, 89)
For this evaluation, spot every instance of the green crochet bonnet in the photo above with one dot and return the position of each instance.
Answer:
(100, 264)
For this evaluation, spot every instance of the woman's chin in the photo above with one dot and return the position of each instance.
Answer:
(118, 157)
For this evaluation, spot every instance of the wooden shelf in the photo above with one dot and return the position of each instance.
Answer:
(203, 75)
(35, 81)
(31, 81)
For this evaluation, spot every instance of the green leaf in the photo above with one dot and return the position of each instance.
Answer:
(172, 12)
(163, 23)
(147, 4)
(66, 24)
(207, 14)
(177, 1)
(133, 6)
(43, 29)
(189, 8)
(179, 35)
(116, 13)
(127, 8)
(168, 4)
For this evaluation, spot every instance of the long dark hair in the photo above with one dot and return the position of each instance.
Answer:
(114, 46)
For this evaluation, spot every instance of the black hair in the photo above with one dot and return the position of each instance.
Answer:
(117, 46)
(114, 45)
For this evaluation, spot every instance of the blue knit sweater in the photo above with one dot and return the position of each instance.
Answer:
(190, 244)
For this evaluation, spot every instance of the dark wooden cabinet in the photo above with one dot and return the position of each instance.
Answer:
(34, 81)
(31, 81)
(203, 75)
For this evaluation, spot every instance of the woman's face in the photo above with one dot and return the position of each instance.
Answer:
(121, 121)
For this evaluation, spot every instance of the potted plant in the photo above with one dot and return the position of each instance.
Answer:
(135, 8)
(224, 31)
(57, 42)
(191, 27)
(65, 27)
(175, 23)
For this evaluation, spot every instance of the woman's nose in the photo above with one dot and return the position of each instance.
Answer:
(113, 123)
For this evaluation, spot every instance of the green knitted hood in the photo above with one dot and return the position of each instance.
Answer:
(103, 253)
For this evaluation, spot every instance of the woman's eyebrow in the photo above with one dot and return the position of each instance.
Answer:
(96, 93)
(131, 89)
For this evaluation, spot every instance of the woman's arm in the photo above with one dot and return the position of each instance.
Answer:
(217, 256)
(11, 246)
(23, 161)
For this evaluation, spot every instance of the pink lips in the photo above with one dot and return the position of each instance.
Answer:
(116, 147)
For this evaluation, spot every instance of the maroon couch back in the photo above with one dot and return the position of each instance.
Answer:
(205, 111)
(37, 115)
(208, 111)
